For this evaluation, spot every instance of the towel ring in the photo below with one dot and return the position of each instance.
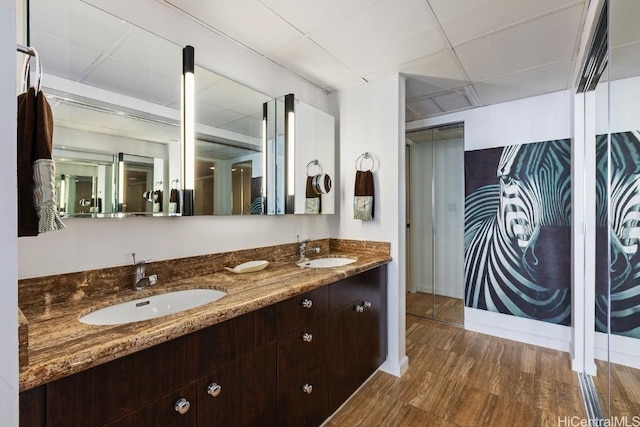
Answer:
(26, 67)
(314, 163)
(174, 181)
(365, 156)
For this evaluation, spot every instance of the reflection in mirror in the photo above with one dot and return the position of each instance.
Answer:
(228, 133)
(110, 93)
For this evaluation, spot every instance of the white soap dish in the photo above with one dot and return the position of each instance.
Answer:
(248, 267)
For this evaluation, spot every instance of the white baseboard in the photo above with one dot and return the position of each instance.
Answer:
(622, 350)
(519, 329)
(395, 367)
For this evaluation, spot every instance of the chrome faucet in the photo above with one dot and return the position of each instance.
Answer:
(303, 249)
(140, 279)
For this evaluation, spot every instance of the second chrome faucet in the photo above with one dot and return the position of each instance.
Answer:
(303, 250)
(140, 278)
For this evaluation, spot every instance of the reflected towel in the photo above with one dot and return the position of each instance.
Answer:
(174, 201)
(312, 201)
(363, 200)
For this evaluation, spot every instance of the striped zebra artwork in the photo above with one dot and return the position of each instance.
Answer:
(517, 239)
(618, 231)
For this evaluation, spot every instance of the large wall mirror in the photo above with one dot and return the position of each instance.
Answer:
(115, 96)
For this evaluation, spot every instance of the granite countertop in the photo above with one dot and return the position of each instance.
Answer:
(60, 345)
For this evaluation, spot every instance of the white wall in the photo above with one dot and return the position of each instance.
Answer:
(540, 118)
(8, 221)
(371, 118)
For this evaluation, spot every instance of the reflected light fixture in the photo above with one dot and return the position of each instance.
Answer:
(188, 130)
(290, 136)
(263, 189)
(120, 182)
(63, 189)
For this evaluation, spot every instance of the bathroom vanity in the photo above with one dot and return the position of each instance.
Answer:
(287, 346)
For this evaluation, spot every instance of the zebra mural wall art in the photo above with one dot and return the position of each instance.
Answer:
(518, 230)
(618, 230)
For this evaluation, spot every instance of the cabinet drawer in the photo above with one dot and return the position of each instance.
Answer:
(300, 352)
(234, 339)
(303, 407)
(350, 290)
(163, 412)
(301, 310)
(240, 394)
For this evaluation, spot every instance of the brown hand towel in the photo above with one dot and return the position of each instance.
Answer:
(27, 217)
(174, 201)
(37, 212)
(363, 200)
(313, 201)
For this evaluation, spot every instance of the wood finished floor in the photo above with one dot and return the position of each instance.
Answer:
(447, 309)
(463, 378)
(625, 389)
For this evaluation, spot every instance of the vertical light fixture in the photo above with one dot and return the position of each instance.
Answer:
(188, 130)
(263, 187)
(290, 142)
(120, 182)
(63, 189)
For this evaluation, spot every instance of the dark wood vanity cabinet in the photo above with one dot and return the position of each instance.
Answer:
(152, 387)
(358, 338)
(302, 356)
(290, 365)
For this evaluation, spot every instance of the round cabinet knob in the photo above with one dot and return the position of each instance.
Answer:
(307, 337)
(182, 406)
(307, 388)
(359, 308)
(367, 304)
(307, 303)
(214, 389)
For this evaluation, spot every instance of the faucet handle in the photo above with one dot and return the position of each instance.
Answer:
(141, 262)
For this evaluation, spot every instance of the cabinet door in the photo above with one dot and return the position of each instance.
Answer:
(304, 404)
(301, 352)
(164, 411)
(357, 346)
(242, 393)
(33, 407)
(106, 392)
(301, 310)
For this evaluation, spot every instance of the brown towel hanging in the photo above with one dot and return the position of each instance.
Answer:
(36, 171)
(27, 217)
(363, 200)
(313, 200)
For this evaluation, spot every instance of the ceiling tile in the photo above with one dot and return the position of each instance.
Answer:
(307, 59)
(61, 58)
(536, 81)
(423, 108)
(624, 61)
(246, 21)
(246, 126)
(141, 48)
(75, 20)
(542, 41)
(622, 29)
(307, 15)
(467, 19)
(213, 115)
(382, 35)
(120, 77)
(234, 96)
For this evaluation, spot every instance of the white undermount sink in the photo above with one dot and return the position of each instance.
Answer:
(152, 307)
(328, 262)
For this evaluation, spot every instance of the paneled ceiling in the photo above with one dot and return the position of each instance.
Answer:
(456, 54)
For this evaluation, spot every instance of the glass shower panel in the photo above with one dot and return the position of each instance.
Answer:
(623, 293)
